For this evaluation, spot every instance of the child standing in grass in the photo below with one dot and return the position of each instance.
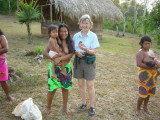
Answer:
(3, 65)
(55, 50)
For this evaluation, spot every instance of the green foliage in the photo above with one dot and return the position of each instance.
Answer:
(39, 50)
(155, 21)
(4, 6)
(19, 72)
(26, 14)
(127, 8)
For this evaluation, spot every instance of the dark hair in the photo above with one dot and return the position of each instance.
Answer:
(143, 39)
(1, 33)
(150, 63)
(68, 39)
(50, 28)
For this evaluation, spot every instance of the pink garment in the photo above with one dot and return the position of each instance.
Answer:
(3, 69)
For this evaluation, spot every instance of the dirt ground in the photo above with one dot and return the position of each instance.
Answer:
(116, 80)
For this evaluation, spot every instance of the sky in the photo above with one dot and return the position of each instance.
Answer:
(149, 5)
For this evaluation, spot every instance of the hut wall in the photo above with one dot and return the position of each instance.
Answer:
(74, 27)
(44, 27)
(97, 28)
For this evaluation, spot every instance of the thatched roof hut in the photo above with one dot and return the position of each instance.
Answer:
(69, 11)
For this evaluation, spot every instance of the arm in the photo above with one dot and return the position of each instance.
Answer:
(94, 44)
(91, 52)
(4, 44)
(46, 52)
(65, 57)
(139, 60)
(53, 45)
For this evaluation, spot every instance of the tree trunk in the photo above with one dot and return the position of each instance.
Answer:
(29, 33)
(124, 25)
(135, 19)
(144, 14)
(145, 30)
(17, 5)
(51, 12)
(9, 7)
(117, 30)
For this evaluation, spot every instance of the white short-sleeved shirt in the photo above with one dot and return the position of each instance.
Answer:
(90, 40)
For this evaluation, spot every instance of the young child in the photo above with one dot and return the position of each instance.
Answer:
(55, 50)
(3, 65)
(154, 62)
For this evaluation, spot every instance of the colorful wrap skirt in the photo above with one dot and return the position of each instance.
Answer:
(147, 82)
(62, 81)
(3, 69)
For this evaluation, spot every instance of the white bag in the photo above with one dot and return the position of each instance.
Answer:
(28, 110)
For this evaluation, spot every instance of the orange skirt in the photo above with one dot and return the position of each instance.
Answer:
(147, 82)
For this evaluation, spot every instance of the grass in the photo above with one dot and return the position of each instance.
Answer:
(116, 81)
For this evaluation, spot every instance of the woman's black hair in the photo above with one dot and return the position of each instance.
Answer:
(143, 39)
(1, 33)
(68, 39)
(50, 28)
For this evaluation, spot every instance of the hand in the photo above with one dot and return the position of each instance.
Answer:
(80, 54)
(60, 54)
(83, 47)
(156, 66)
(56, 61)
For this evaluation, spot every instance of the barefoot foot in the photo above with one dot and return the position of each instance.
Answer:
(67, 111)
(147, 111)
(138, 113)
(47, 111)
(64, 73)
(11, 98)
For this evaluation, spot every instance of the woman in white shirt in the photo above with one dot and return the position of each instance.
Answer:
(85, 43)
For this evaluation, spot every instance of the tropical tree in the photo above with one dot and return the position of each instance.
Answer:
(27, 13)
(144, 14)
(124, 9)
(7, 6)
(155, 18)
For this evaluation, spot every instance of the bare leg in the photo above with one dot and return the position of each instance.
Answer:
(53, 70)
(82, 89)
(50, 96)
(6, 90)
(65, 94)
(139, 103)
(145, 107)
(91, 92)
(62, 69)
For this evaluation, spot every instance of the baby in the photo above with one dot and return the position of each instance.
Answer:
(154, 62)
(55, 50)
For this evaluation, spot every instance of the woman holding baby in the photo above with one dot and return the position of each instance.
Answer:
(147, 73)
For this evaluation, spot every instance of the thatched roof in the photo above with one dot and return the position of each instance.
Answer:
(97, 9)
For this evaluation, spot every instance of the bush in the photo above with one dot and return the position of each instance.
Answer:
(19, 72)
(39, 50)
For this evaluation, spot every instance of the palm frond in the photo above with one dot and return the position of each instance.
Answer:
(27, 12)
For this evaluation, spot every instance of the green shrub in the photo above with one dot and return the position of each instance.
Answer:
(19, 72)
(39, 50)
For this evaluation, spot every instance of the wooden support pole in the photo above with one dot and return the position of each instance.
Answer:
(51, 12)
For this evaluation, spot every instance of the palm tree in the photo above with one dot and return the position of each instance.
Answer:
(26, 14)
